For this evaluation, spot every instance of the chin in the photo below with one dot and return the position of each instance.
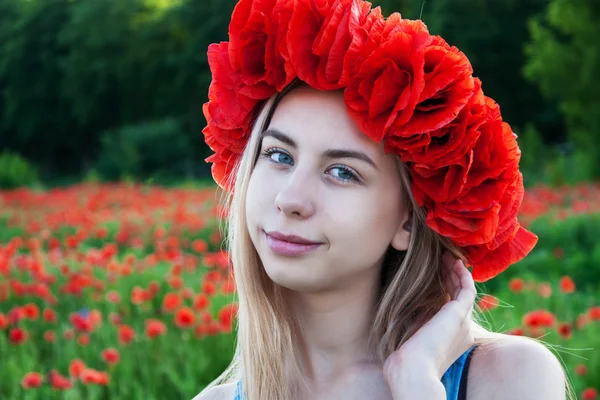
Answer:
(294, 278)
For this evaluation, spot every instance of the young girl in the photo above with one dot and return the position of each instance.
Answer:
(365, 168)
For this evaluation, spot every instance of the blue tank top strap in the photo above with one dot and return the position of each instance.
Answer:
(455, 378)
(238, 391)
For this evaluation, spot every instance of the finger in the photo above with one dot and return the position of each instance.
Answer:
(452, 282)
(466, 296)
(451, 278)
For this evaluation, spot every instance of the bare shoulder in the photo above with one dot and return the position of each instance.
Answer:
(515, 367)
(219, 392)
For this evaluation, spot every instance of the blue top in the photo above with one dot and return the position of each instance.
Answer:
(454, 379)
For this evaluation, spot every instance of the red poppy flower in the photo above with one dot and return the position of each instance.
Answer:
(227, 316)
(31, 311)
(50, 336)
(90, 376)
(209, 288)
(539, 318)
(516, 285)
(545, 290)
(185, 317)
(171, 302)
(565, 330)
(49, 315)
(32, 380)
(155, 328)
(589, 394)
(566, 284)
(59, 382)
(126, 334)
(516, 332)
(18, 336)
(76, 367)
(3, 321)
(395, 72)
(487, 302)
(320, 35)
(110, 356)
(201, 301)
(594, 313)
(256, 32)
(581, 370)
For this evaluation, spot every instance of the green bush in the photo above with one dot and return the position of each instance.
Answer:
(15, 171)
(565, 247)
(157, 149)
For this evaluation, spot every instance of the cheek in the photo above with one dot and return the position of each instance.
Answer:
(259, 194)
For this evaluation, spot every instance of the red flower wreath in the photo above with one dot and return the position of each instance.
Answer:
(401, 85)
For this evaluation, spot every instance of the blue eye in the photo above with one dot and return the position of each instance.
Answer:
(346, 175)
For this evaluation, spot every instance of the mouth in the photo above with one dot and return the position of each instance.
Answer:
(286, 248)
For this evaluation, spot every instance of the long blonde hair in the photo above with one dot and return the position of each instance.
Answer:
(265, 353)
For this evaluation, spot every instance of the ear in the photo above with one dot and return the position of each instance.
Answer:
(401, 238)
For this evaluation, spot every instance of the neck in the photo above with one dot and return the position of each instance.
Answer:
(335, 327)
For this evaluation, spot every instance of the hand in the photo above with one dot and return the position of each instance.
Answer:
(442, 339)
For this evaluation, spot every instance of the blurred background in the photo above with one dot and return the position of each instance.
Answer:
(113, 278)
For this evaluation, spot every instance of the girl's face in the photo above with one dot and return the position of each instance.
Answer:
(320, 178)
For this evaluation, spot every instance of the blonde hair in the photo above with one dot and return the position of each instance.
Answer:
(265, 353)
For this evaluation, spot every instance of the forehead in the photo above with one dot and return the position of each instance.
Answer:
(319, 118)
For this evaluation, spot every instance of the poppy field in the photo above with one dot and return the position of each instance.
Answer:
(122, 291)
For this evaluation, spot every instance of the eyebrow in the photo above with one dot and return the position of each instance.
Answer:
(331, 153)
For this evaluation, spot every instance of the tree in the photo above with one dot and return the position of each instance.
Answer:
(563, 60)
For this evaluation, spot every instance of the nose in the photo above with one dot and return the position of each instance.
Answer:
(295, 197)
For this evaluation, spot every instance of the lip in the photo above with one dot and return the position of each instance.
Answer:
(286, 248)
(290, 238)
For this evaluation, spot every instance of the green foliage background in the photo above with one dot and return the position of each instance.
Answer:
(77, 77)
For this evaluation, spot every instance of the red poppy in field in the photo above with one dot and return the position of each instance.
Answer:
(594, 313)
(3, 321)
(228, 287)
(126, 334)
(227, 316)
(15, 315)
(58, 381)
(113, 297)
(539, 318)
(49, 315)
(545, 290)
(83, 340)
(90, 376)
(487, 302)
(589, 394)
(567, 285)
(171, 302)
(110, 356)
(516, 332)
(565, 330)
(32, 312)
(201, 302)
(581, 370)
(18, 336)
(214, 328)
(199, 246)
(32, 380)
(76, 367)
(155, 327)
(175, 282)
(185, 317)
(50, 336)
(516, 285)
(209, 288)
